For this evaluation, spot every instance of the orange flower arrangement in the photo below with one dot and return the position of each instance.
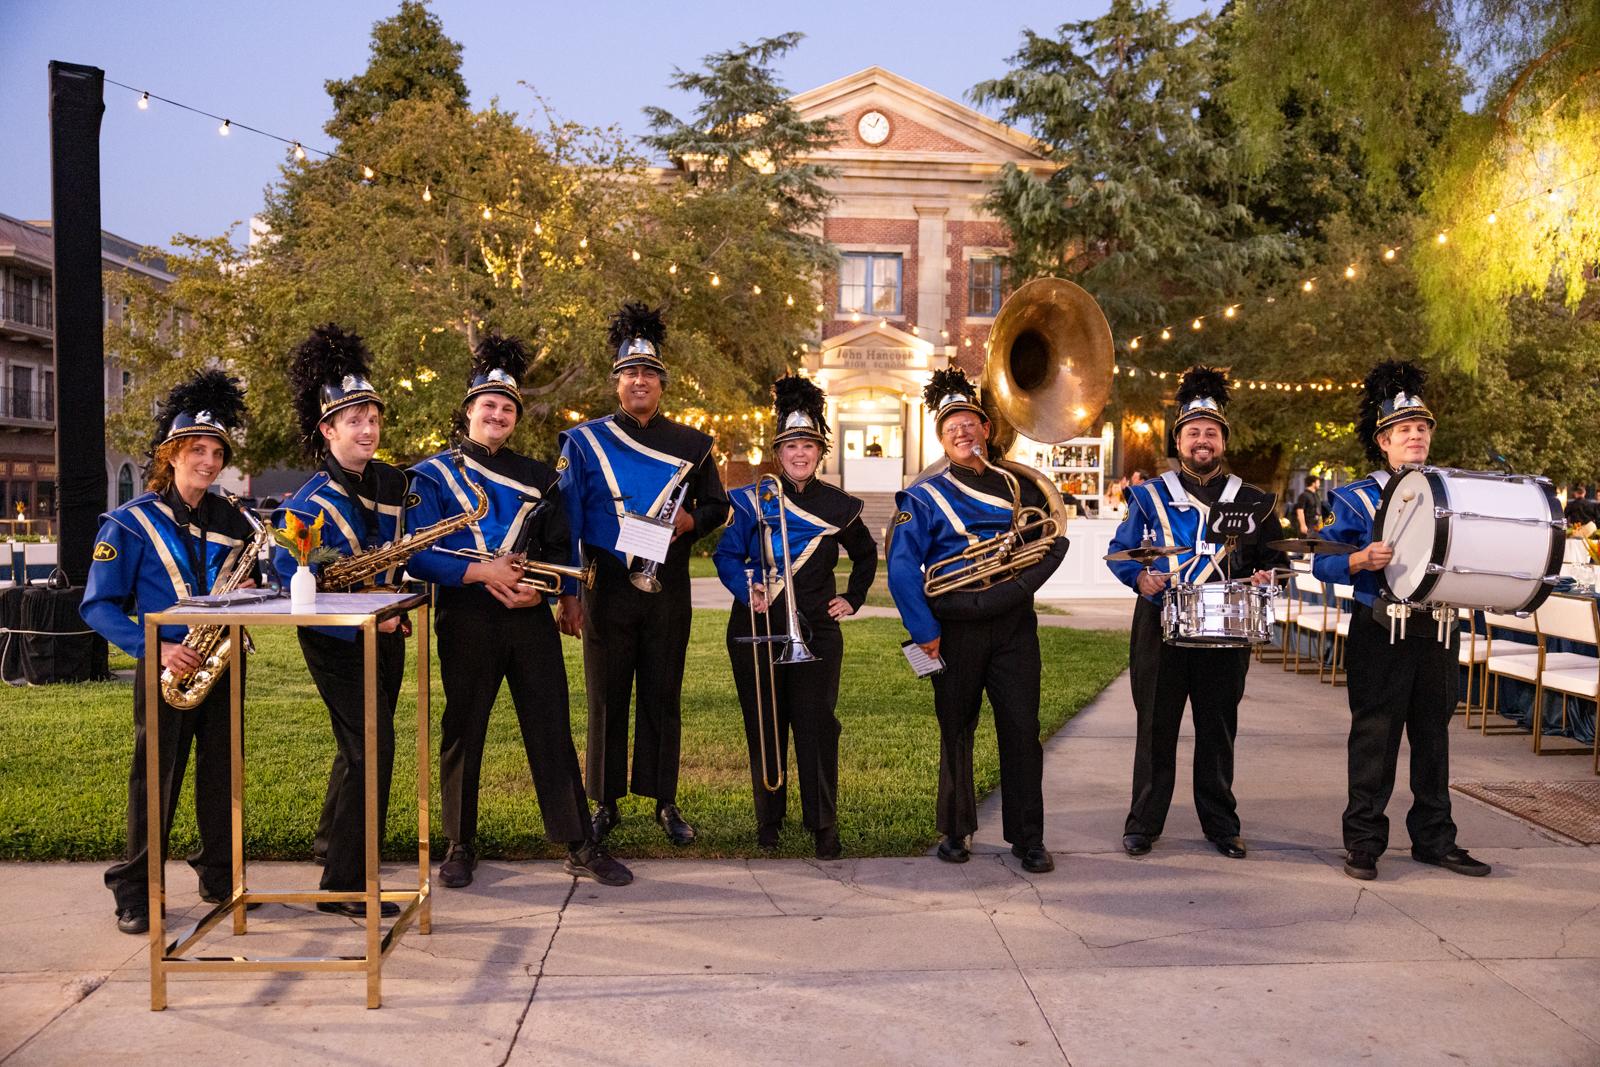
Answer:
(304, 542)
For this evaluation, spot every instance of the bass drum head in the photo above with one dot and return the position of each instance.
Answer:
(1405, 523)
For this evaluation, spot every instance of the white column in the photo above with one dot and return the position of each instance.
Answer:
(931, 271)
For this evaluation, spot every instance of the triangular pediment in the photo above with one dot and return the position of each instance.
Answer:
(922, 123)
(874, 335)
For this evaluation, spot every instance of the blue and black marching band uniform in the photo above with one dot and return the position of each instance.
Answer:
(989, 638)
(1173, 510)
(821, 519)
(361, 510)
(610, 466)
(150, 552)
(1407, 687)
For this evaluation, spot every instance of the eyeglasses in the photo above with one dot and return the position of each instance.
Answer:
(952, 428)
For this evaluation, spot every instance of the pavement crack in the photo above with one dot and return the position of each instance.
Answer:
(1568, 925)
(517, 1031)
(757, 879)
(998, 933)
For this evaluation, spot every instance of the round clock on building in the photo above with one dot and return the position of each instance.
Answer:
(873, 127)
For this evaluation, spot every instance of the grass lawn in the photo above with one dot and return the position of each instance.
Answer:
(65, 750)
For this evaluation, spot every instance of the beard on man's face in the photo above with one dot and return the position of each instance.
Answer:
(1212, 460)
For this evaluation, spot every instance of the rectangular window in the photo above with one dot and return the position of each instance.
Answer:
(21, 392)
(983, 287)
(869, 282)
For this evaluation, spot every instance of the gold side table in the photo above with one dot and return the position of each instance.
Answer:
(363, 610)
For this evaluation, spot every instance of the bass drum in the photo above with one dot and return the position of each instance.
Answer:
(1470, 539)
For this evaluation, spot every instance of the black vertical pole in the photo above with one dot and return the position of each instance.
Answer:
(76, 104)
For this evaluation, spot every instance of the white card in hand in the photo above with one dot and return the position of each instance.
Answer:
(643, 536)
(920, 661)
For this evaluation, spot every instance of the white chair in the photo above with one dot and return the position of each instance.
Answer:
(8, 565)
(39, 555)
(1525, 664)
(1573, 618)
(1321, 619)
(1473, 654)
(1341, 631)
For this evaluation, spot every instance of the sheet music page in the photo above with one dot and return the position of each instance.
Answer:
(643, 536)
(920, 661)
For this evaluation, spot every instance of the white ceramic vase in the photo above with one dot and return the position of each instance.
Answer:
(303, 590)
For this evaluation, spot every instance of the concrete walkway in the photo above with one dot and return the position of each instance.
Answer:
(1181, 956)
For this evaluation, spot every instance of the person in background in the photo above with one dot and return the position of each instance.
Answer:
(1308, 508)
(1579, 509)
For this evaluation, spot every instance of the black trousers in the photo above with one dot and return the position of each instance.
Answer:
(1409, 686)
(807, 694)
(999, 656)
(1164, 678)
(337, 668)
(630, 635)
(207, 728)
(483, 643)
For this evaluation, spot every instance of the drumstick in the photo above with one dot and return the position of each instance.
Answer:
(1404, 517)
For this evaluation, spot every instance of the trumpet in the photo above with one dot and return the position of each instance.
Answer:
(645, 578)
(794, 647)
(537, 576)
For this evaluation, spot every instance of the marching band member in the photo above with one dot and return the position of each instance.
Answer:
(491, 629)
(636, 460)
(361, 501)
(1173, 510)
(173, 542)
(1408, 686)
(989, 639)
(820, 518)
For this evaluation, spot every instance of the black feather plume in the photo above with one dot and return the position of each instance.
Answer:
(793, 393)
(946, 382)
(1388, 378)
(324, 358)
(636, 320)
(210, 390)
(497, 352)
(1203, 381)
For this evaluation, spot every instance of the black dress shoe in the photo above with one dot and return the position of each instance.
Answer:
(357, 909)
(459, 863)
(1361, 865)
(209, 897)
(606, 818)
(954, 850)
(133, 920)
(828, 847)
(1231, 847)
(678, 832)
(593, 861)
(1458, 861)
(1035, 860)
(767, 836)
(1137, 844)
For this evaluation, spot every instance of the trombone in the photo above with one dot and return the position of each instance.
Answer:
(794, 646)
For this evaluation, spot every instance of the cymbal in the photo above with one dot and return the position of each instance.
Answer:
(1149, 552)
(1313, 544)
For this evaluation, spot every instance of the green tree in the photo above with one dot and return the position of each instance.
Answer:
(1139, 210)
(747, 137)
(411, 59)
(1511, 187)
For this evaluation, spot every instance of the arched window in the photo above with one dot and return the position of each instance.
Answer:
(124, 484)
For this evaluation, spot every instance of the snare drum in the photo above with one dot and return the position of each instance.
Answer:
(1472, 539)
(1217, 614)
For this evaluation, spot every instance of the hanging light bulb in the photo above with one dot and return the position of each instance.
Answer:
(1492, 217)
(1134, 343)
(427, 194)
(969, 342)
(1195, 325)
(367, 173)
(819, 308)
(1553, 196)
(1441, 238)
(755, 289)
(1389, 254)
(1229, 312)
(486, 213)
(944, 334)
(1166, 335)
(1350, 272)
(1306, 287)
(226, 123)
(636, 255)
(790, 301)
(537, 229)
(716, 280)
(299, 153)
(583, 242)
(144, 102)
(855, 316)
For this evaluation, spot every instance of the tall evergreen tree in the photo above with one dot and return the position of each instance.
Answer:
(411, 59)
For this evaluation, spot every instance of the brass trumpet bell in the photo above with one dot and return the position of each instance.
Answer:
(1048, 371)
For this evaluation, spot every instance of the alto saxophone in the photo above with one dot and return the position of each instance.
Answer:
(212, 643)
(353, 570)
